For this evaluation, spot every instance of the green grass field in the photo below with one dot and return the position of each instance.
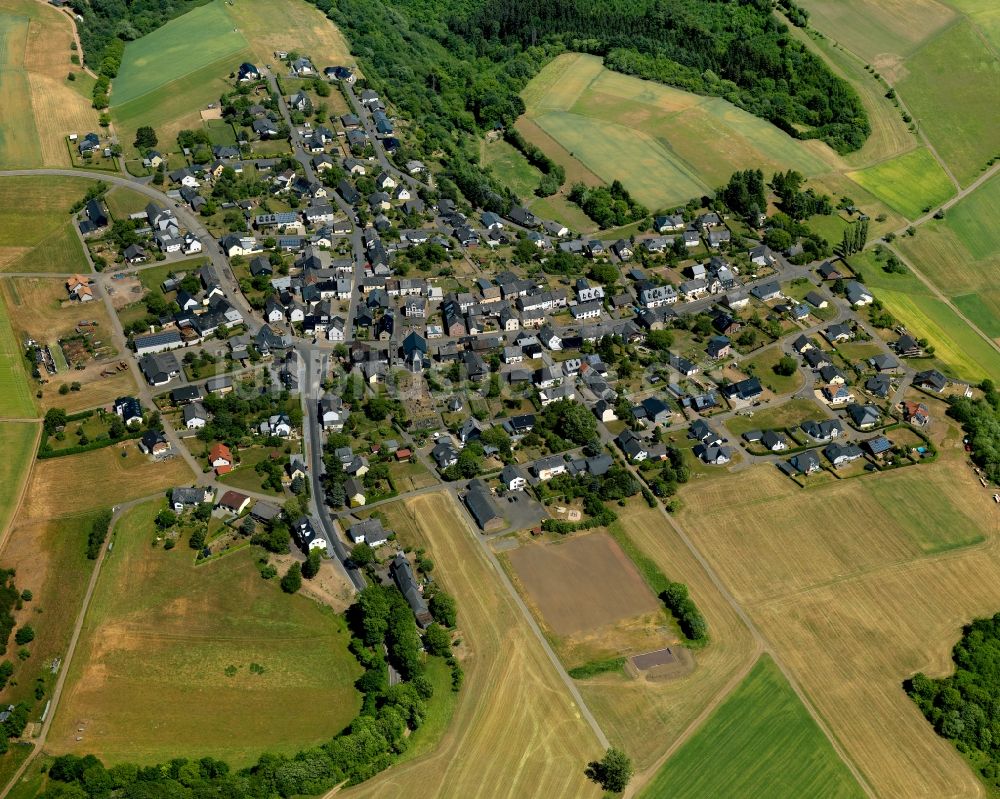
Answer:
(665, 144)
(18, 135)
(18, 442)
(159, 638)
(763, 364)
(122, 201)
(787, 414)
(15, 395)
(908, 183)
(760, 742)
(512, 168)
(952, 85)
(184, 45)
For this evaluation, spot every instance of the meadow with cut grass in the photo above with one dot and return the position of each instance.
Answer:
(18, 441)
(760, 742)
(166, 639)
(15, 395)
(911, 184)
(36, 231)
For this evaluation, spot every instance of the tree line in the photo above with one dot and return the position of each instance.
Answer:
(980, 419)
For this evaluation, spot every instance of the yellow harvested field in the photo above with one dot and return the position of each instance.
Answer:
(645, 717)
(516, 731)
(270, 25)
(98, 479)
(858, 584)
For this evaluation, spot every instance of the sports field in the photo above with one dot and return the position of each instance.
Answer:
(184, 45)
(40, 106)
(17, 440)
(852, 608)
(36, 232)
(514, 725)
(98, 479)
(159, 637)
(760, 742)
(908, 183)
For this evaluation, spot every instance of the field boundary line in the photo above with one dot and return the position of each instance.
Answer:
(643, 778)
(5, 533)
(81, 618)
(574, 691)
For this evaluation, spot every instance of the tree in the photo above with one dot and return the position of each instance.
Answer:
(443, 609)
(292, 581)
(362, 554)
(25, 635)
(612, 772)
(786, 366)
(166, 518)
(311, 567)
(145, 138)
(437, 640)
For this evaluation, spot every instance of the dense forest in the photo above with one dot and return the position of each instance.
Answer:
(965, 707)
(460, 64)
(980, 419)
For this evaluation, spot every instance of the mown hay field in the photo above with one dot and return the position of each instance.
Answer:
(270, 25)
(17, 440)
(515, 729)
(15, 396)
(98, 479)
(152, 679)
(760, 741)
(36, 231)
(856, 585)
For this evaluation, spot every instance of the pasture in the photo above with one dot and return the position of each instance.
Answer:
(952, 86)
(196, 39)
(760, 741)
(665, 144)
(511, 167)
(36, 232)
(18, 441)
(514, 723)
(41, 107)
(158, 642)
(98, 479)
(908, 183)
(15, 396)
(290, 25)
(853, 607)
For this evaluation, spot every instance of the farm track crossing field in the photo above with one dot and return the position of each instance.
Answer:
(98, 479)
(760, 742)
(851, 607)
(598, 584)
(17, 441)
(952, 85)
(158, 639)
(908, 183)
(40, 105)
(515, 730)
(644, 716)
(184, 45)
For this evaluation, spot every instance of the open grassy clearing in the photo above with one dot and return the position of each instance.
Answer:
(880, 31)
(985, 14)
(511, 167)
(514, 723)
(853, 607)
(15, 396)
(961, 255)
(760, 742)
(41, 107)
(787, 414)
(952, 86)
(159, 636)
(36, 232)
(666, 145)
(202, 36)
(123, 201)
(762, 366)
(645, 716)
(290, 25)
(962, 351)
(909, 183)
(98, 479)
(17, 440)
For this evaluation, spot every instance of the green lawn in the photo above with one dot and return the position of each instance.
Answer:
(908, 183)
(512, 168)
(162, 634)
(123, 201)
(244, 476)
(764, 363)
(788, 414)
(760, 742)
(185, 44)
(15, 395)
